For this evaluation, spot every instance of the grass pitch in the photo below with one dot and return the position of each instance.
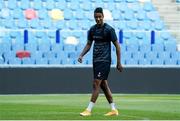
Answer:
(68, 107)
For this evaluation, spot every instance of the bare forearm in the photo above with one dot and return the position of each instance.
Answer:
(118, 54)
(85, 50)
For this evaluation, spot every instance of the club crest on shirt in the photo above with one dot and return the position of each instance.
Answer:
(99, 74)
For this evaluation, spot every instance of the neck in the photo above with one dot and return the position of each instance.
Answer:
(100, 25)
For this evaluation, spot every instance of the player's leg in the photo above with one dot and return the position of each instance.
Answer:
(96, 88)
(105, 87)
(94, 96)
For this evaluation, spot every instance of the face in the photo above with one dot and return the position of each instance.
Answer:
(98, 18)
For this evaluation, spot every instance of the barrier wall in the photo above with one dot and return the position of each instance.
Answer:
(79, 80)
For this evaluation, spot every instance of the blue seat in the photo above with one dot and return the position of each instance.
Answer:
(157, 62)
(49, 4)
(118, 1)
(131, 62)
(47, 24)
(84, 25)
(170, 47)
(5, 47)
(1, 60)
(151, 55)
(59, 25)
(126, 55)
(133, 47)
(5, 13)
(66, 61)
(170, 62)
(69, 48)
(17, 13)
(133, 25)
(9, 24)
(79, 14)
(36, 54)
(159, 25)
(145, 48)
(41, 61)
(141, 15)
(164, 55)
(37, 4)
(44, 47)
(42, 14)
(145, 25)
(74, 5)
(61, 55)
(135, 7)
(68, 14)
(34, 24)
(56, 47)
(1, 4)
(148, 6)
(122, 7)
(12, 4)
(22, 23)
(30, 47)
(158, 47)
(116, 15)
(73, 55)
(153, 16)
(61, 4)
(144, 61)
(87, 6)
(53, 61)
(17, 47)
(49, 54)
(28, 61)
(72, 25)
(25, 4)
(175, 55)
(15, 61)
(121, 25)
(129, 15)
(138, 55)
(80, 47)
(131, 1)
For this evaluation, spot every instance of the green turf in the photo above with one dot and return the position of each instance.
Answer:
(68, 107)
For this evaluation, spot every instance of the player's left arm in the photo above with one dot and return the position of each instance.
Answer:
(118, 55)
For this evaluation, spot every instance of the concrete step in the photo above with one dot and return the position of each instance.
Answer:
(162, 2)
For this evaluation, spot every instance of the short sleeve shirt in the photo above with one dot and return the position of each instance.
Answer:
(102, 37)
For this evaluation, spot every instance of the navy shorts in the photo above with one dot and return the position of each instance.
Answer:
(101, 70)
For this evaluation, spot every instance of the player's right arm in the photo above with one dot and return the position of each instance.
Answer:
(85, 50)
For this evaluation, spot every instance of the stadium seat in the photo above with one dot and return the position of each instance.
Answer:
(30, 14)
(17, 13)
(144, 61)
(41, 61)
(49, 4)
(131, 62)
(53, 61)
(170, 62)
(148, 6)
(16, 61)
(25, 4)
(1, 60)
(56, 14)
(37, 4)
(28, 61)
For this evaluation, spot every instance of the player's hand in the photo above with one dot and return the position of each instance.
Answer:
(80, 59)
(119, 67)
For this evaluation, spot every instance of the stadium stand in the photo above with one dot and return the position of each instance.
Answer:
(42, 18)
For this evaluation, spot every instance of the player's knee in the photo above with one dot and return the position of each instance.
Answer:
(96, 84)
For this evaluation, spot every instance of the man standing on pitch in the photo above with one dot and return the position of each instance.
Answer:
(102, 34)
